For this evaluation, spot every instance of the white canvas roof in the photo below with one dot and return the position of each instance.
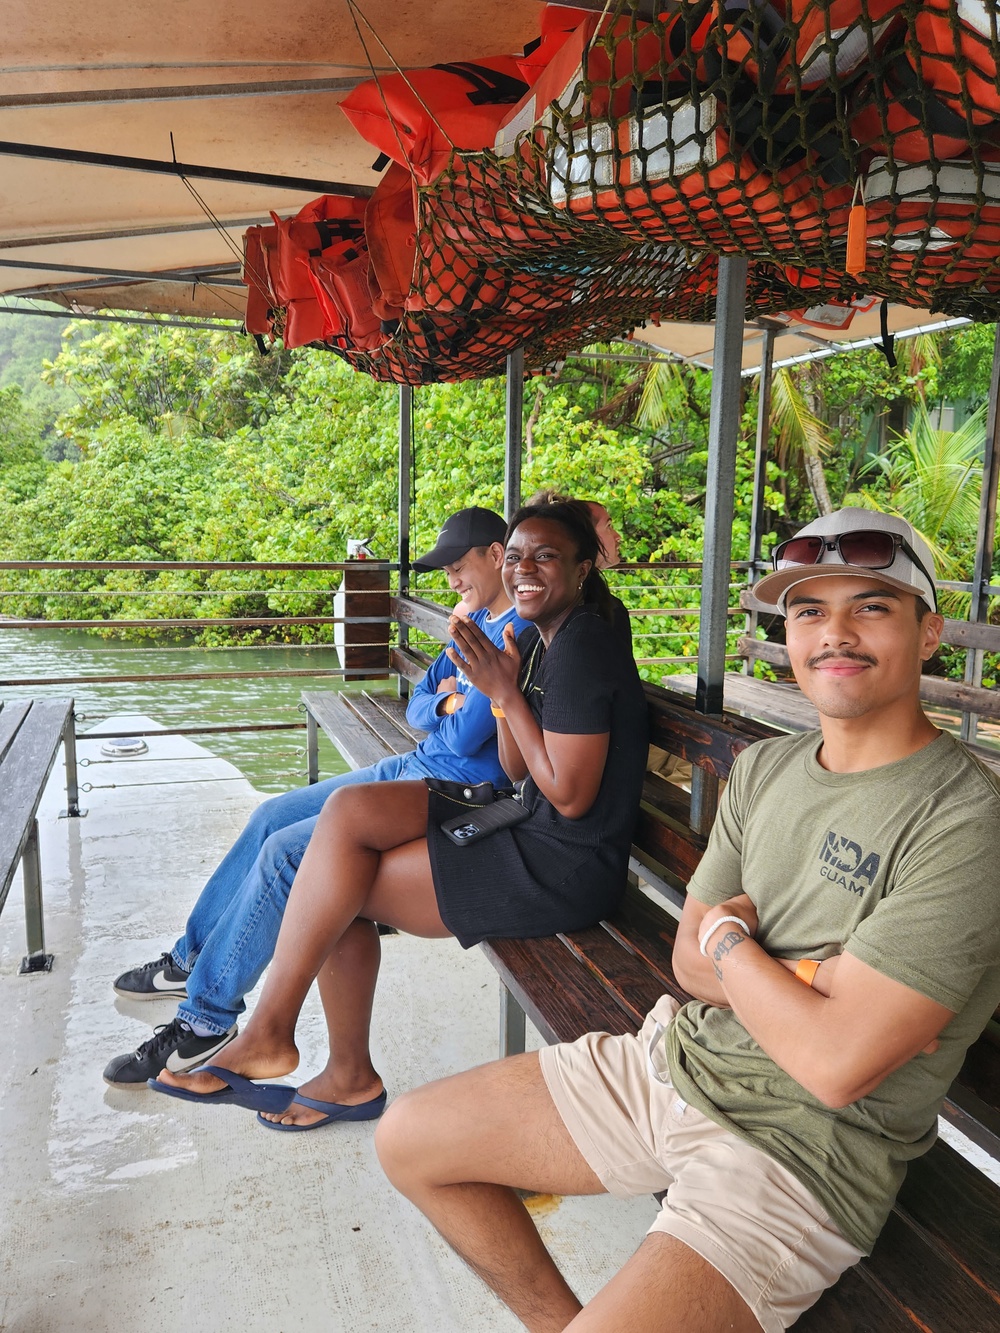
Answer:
(252, 86)
(795, 340)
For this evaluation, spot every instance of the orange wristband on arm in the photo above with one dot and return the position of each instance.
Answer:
(807, 969)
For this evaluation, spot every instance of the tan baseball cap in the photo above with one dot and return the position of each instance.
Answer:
(911, 568)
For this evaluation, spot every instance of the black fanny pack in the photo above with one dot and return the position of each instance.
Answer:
(463, 794)
(480, 822)
(480, 809)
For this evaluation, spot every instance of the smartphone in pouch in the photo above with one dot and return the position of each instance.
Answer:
(467, 828)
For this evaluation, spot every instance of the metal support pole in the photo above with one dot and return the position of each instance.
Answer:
(194, 91)
(196, 171)
(404, 484)
(511, 1024)
(90, 316)
(760, 472)
(724, 422)
(515, 433)
(72, 810)
(979, 606)
(312, 750)
(36, 959)
(760, 450)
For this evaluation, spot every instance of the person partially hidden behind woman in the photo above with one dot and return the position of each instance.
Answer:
(572, 735)
(609, 549)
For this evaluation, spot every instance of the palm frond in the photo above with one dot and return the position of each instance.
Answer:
(933, 480)
(916, 354)
(662, 383)
(800, 433)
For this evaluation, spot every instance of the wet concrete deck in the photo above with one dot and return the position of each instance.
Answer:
(119, 1210)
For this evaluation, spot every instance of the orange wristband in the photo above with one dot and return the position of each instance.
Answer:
(496, 711)
(449, 705)
(807, 969)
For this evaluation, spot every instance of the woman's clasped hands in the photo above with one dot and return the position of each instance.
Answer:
(493, 672)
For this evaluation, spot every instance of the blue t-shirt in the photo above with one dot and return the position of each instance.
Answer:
(461, 746)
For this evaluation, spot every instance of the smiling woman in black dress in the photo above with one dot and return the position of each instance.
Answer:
(572, 735)
(572, 732)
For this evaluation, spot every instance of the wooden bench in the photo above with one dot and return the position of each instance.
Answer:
(364, 727)
(30, 735)
(936, 1267)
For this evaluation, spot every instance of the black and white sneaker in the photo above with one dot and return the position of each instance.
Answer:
(161, 979)
(172, 1046)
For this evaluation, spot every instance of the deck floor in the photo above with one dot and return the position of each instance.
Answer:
(123, 1211)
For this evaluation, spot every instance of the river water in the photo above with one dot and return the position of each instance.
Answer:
(273, 761)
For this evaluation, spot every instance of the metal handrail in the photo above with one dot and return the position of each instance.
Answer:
(193, 564)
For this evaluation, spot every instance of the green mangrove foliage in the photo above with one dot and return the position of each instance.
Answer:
(174, 444)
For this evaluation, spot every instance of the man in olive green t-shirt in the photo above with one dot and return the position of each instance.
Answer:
(842, 937)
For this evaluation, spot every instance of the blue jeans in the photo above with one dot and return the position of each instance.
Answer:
(234, 925)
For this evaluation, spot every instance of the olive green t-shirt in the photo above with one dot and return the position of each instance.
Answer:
(895, 865)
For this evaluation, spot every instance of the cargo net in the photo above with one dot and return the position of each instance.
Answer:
(498, 268)
(851, 150)
(853, 143)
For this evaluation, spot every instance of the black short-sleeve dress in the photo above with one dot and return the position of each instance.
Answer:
(551, 873)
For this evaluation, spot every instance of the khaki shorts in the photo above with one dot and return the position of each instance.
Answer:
(741, 1210)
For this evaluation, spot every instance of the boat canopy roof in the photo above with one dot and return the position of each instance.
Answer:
(250, 89)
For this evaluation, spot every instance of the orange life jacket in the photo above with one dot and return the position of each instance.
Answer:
(322, 223)
(308, 277)
(391, 236)
(417, 118)
(665, 168)
(557, 22)
(674, 174)
(341, 278)
(831, 40)
(936, 87)
(436, 270)
(259, 257)
(935, 226)
(304, 323)
(613, 58)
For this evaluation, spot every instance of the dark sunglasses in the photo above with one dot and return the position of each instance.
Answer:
(865, 548)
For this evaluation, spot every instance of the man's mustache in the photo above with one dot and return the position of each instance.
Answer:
(844, 655)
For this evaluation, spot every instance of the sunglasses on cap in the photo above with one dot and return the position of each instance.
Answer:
(865, 548)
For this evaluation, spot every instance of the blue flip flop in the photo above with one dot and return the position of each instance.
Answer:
(334, 1111)
(240, 1091)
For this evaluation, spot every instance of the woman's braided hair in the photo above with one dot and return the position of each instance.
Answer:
(576, 518)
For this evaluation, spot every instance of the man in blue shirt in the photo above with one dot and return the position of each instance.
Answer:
(231, 932)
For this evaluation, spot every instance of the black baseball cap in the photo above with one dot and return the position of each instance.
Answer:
(468, 528)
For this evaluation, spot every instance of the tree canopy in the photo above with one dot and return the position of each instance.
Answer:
(181, 444)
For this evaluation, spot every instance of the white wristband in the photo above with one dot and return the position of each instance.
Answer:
(721, 922)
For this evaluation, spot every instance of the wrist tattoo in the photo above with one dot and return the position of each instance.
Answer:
(726, 945)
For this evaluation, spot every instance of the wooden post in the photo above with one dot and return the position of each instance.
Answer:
(366, 608)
